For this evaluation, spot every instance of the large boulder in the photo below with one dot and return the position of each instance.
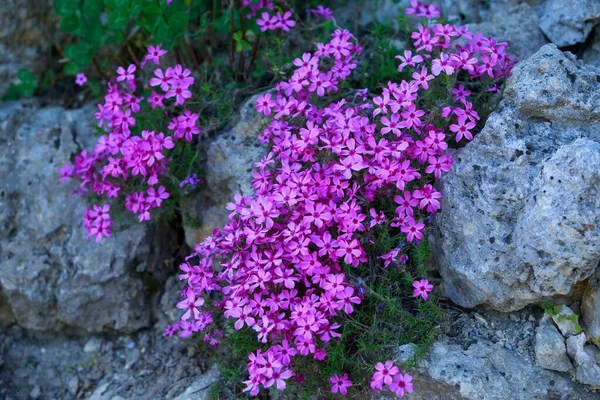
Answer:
(520, 217)
(51, 277)
(516, 25)
(567, 23)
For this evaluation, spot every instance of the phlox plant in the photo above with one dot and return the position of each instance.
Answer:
(147, 149)
(347, 187)
(130, 160)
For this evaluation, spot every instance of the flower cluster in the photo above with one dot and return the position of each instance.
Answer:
(389, 375)
(269, 21)
(321, 12)
(322, 191)
(128, 155)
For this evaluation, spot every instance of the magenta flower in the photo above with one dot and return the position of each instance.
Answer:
(80, 79)
(340, 383)
(402, 384)
(422, 287)
(267, 22)
(155, 53)
(126, 74)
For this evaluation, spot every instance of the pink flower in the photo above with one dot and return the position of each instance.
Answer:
(267, 22)
(126, 74)
(340, 383)
(402, 383)
(284, 21)
(463, 128)
(155, 53)
(422, 287)
(80, 79)
(264, 104)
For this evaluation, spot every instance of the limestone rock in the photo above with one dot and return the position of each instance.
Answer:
(575, 344)
(566, 320)
(200, 388)
(567, 23)
(481, 370)
(230, 161)
(520, 216)
(517, 25)
(50, 275)
(550, 349)
(590, 306)
(588, 370)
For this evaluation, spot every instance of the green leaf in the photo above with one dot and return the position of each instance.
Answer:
(118, 19)
(163, 34)
(178, 22)
(71, 69)
(135, 8)
(95, 33)
(70, 24)
(79, 53)
(64, 8)
(92, 8)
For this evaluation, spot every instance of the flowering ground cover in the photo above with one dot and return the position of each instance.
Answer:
(324, 268)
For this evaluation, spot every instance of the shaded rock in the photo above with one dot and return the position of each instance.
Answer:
(518, 26)
(566, 321)
(550, 349)
(481, 370)
(51, 276)
(567, 23)
(167, 312)
(381, 11)
(230, 160)
(591, 54)
(521, 200)
(575, 344)
(590, 306)
(200, 388)
(587, 369)
(26, 31)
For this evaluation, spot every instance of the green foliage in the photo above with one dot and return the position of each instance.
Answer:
(28, 83)
(551, 308)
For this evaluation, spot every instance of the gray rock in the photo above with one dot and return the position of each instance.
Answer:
(481, 370)
(27, 28)
(230, 160)
(567, 23)
(518, 26)
(566, 321)
(591, 54)
(73, 385)
(590, 307)
(550, 349)
(520, 201)
(50, 275)
(93, 345)
(575, 344)
(200, 388)
(588, 371)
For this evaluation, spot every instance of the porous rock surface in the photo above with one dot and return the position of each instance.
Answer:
(567, 23)
(520, 217)
(51, 276)
(230, 161)
(488, 357)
